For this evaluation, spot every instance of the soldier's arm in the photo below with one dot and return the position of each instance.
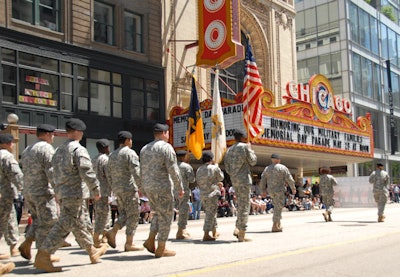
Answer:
(48, 166)
(290, 181)
(251, 156)
(190, 175)
(15, 174)
(263, 181)
(173, 169)
(219, 174)
(86, 172)
(134, 168)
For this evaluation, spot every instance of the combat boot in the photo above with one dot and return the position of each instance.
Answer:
(276, 227)
(161, 251)
(42, 261)
(6, 268)
(215, 233)
(110, 235)
(14, 250)
(96, 240)
(182, 234)
(381, 218)
(326, 216)
(242, 237)
(236, 232)
(96, 253)
(207, 237)
(104, 238)
(130, 246)
(25, 248)
(150, 243)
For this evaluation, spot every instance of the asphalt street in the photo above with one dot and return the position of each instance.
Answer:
(354, 244)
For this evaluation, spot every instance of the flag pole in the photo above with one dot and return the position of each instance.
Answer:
(247, 101)
(191, 73)
(185, 68)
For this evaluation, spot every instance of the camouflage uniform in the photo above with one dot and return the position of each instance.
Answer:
(160, 175)
(326, 184)
(102, 207)
(124, 178)
(276, 176)
(10, 173)
(38, 192)
(380, 180)
(72, 166)
(187, 175)
(207, 177)
(238, 160)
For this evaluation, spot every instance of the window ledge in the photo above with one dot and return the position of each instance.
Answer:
(36, 30)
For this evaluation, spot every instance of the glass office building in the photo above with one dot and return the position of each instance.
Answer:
(352, 42)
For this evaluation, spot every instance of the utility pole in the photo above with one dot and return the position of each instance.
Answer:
(393, 134)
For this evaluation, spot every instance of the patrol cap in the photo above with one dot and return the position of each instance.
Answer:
(6, 138)
(238, 134)
(181, 153)
(207, 157)
(75, 124)
(124, 135)
(379, 164)
(102, 143)
(158, 127)
(45, 128)
(275, 156)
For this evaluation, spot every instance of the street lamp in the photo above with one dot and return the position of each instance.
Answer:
(13, 129)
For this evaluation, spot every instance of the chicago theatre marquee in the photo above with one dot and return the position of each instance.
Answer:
(313, 129)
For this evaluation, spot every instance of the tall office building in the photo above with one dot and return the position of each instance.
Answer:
(356, 44)
(97, 60)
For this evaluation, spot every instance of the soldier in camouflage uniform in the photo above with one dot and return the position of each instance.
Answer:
(102, 207)
(124, 178)
(38, 191)
(10, 174)
(276, 176)
(207, 177)
(160, 176)
(326, 184)
(380, 179)
(238, 160)
(71, 166)
(187, 175)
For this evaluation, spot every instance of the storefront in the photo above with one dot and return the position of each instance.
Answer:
(48, 82)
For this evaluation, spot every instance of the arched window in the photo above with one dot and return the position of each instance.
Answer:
(231, 78)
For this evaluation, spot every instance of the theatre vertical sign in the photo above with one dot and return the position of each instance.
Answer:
(219, 33)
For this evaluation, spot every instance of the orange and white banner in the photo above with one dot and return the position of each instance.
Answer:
(219, 33)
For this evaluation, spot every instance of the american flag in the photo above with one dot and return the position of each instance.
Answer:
(252, 92)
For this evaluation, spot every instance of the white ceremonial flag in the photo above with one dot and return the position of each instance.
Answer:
(218, 140)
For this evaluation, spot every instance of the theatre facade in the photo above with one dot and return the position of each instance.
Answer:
(307, 124)
(313, 129)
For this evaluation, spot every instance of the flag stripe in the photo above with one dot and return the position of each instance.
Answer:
(252, 91)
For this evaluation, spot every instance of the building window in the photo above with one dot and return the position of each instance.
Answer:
(103, 23)
(100, 92)
(45, 13)
(133, 32)
(145, 99)
(230, 81)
